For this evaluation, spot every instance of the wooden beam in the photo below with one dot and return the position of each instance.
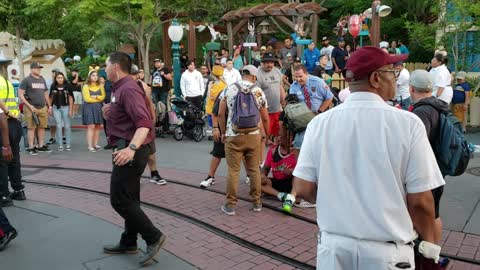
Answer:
(192, 41)
(230, 38)
(315, 28)
(239, 26)
(286, 21)
(167, 46)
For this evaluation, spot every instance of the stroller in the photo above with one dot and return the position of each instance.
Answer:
(190, 122)
(162, 125)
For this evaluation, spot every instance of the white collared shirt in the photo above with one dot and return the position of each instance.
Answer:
(231, 76)
(369, 157)
(192, 84)
(442, 78)
(403, 84)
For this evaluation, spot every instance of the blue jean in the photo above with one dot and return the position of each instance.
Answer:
(59, 115)
(160, 96)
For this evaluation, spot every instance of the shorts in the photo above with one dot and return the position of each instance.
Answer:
(298, 140)
(218, 150)
(42, 117)
(77, 96)
(274, 123)
(437, 194)
(282, 185)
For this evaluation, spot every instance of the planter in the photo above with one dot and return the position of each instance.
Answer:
(475, 111)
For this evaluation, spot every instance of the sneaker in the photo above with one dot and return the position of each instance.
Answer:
(282, 196)
(288, 203)
(60, 149)
(227, 210)
(157, 179)
(257, 207)
(68, 148)
(44, 149)
(247, 180)
(305, 204)
(51, 141)
(98, 147)
(92, 150)
(5, 201)
(18, 195)
(9, 236)
(207, 182)
(32, 151)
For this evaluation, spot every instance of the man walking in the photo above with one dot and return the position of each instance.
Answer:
(243, 138)
(372, 191)
(130, 129)
(11, 170)
(327, 50)
(192, 85)
(33, 93)
(270, 81)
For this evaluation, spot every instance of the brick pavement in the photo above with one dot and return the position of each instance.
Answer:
(245, 224)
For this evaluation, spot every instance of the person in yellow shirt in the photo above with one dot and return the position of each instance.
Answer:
(214, 89)
(93, 94)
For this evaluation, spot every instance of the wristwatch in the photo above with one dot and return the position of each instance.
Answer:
(133, 147)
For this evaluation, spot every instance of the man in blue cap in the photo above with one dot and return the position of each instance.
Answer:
(311, 56)
(339, 56)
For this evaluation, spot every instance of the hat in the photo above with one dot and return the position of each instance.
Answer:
(366, 60)
(383, 44)
(460, 75)
(217, 70)
(134, 70)
(268, 56)
(421, 78)
(157, 60)
(251, 69)
(325, 39)
(263, 48)
(340, 39)
(56, 70)
(35, 65)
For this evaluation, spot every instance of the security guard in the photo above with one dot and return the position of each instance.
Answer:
(10, 170)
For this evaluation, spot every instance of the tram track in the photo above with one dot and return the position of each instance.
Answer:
(202, 224)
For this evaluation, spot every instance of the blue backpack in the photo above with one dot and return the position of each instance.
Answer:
(451, 149)
(245, 113)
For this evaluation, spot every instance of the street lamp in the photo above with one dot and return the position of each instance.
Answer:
(175, 32)
(376, 12)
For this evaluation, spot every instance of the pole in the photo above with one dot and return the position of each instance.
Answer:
(375, 28)
(176, 69)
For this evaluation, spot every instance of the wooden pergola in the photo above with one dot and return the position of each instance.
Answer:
(294, 15)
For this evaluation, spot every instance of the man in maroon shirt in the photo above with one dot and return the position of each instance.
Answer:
(129, 125)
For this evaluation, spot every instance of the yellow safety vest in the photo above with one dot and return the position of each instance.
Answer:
(7, 95)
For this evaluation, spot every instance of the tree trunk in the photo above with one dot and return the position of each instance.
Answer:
(146, 58)
(18, 43)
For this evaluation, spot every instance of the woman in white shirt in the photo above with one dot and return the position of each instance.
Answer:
(442, 79)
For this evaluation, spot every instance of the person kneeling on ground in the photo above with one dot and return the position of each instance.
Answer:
(281, 161)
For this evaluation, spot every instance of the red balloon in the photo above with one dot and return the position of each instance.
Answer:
(354, 25)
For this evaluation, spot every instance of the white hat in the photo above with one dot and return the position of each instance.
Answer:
(460, 75)
(251, 69)
(421, 79)
(384, 44)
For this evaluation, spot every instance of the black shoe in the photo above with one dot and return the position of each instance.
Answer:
(33, 151)
(64, 140)
(5, 201)
(152, 250)
(7, 238)
(51, 141)
(44, 149)
(108, 147)
(18, 195)
(120, 249)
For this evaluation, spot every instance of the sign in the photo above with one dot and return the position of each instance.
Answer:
(250, 44)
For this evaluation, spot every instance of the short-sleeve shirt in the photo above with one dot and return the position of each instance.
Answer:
(442, 78)
(403, 84)
(271, 85)
(159, 82)
(317, 88)
(339, 56)
(311, 59)
(60, 95)
(459, 93)
(230, 95)
(385, 154)
(280, 166)
(284, 51)
(35, 90)
(328, 52)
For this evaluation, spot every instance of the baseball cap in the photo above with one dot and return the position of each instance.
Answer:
(263, 48)
(460, 75)
(157, 60)
(134, 70)
(421, 78)
(35, 65)
(383, 44)
(340, 39)
(56, 70)
(251, 69)
(268, 56)
(366, 60)
(325, 39)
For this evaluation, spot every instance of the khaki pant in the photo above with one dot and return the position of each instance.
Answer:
(236, 149)
(459, 112)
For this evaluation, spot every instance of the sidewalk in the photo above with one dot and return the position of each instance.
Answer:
(53, 237)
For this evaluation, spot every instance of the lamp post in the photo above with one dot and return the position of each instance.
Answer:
(377, 11)
(175, 32)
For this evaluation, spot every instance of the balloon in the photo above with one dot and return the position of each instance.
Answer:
(354, 25)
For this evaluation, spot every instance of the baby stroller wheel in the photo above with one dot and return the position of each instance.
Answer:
(178, 133)
(198, 133)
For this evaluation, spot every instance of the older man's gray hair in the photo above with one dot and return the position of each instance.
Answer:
(421, 80)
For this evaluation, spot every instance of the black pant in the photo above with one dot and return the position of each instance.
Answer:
(125, 199)
(10, 170)
(197, 101)
(4, 223)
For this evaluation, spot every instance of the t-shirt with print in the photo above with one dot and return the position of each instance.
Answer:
(230, 96)
(271, 85)
(159, 82)
(60, 95)
(280, 164)
(35, 89)
(283, 54)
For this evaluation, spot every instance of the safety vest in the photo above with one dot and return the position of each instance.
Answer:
(7, 95)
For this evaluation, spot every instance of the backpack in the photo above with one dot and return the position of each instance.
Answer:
(297, 115)
(451, 149)
(245, 112)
